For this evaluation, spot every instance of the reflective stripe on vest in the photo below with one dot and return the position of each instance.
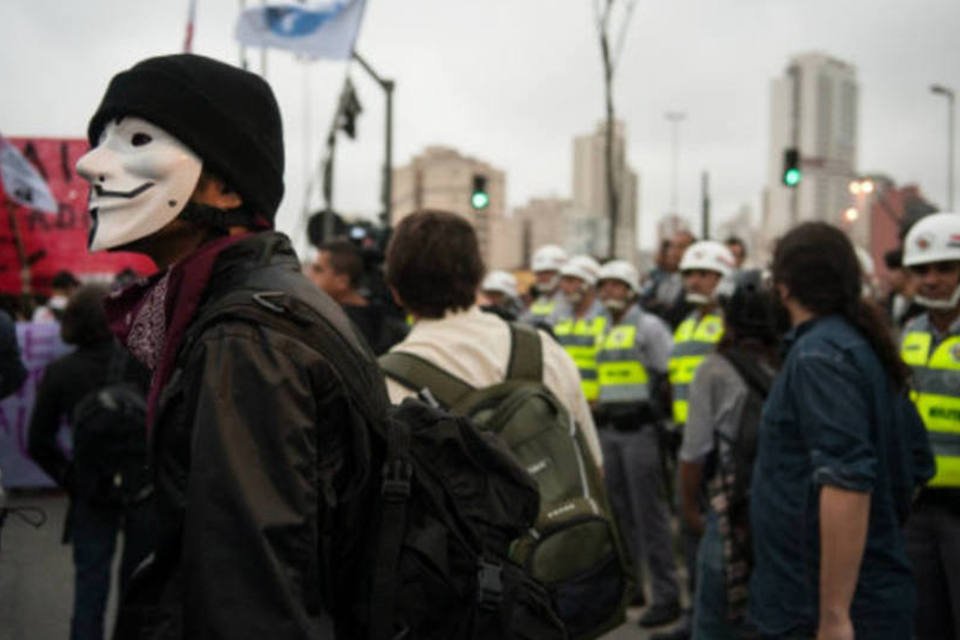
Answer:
(543, 308)
(692, 341)
(936, 382)
(581, 340)
(623, 377)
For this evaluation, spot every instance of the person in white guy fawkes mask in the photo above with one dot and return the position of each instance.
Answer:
(187, 168)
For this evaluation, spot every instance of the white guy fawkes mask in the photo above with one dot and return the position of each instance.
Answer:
(141, 178)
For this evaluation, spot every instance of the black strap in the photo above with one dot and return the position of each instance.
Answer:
(526, 354)
(750, 370)
(417, 373)
(395, 493)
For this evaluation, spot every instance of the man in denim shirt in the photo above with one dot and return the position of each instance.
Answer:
(841, 451)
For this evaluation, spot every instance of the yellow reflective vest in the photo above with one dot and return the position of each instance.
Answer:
(543, 307)
(936, 392)
(621, 374)
(693, 340)
(581, 337)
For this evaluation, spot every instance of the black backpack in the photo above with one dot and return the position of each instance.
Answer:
(110, 457)
(419, 547)
(574, 548)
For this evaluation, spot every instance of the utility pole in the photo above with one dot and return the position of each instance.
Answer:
(675, 118)
(705, 205)
(948, 93)
(610, 54)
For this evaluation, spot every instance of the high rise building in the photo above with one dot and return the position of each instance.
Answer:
(544, 221)
(590, 216)
(814, 108)
(442, 178)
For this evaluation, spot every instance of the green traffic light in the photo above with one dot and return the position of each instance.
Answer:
(479, 200)
(791, 177)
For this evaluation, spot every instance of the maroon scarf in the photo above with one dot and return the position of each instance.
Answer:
(150, 317)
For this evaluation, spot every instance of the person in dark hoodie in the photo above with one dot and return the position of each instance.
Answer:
(251, 423)
(95, 521)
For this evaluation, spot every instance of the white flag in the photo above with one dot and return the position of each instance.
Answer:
(327, 32)
(22, 182)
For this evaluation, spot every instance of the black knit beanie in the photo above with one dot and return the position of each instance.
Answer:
(227, 116)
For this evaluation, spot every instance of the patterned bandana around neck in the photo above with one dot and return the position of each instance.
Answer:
(150, 317)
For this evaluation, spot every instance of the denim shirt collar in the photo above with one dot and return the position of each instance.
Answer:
(795, 333)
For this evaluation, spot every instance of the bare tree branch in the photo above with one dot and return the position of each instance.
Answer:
(598, 18)
(622, 36)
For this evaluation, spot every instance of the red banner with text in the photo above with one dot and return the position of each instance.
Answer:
(55, 242)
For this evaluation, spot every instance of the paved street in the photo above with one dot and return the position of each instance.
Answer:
(36, 577)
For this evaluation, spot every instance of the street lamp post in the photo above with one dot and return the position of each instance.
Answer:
(386, 191)
(859, 216)
(947, 92)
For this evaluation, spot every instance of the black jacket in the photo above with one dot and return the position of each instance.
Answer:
(244, 425)
(12, 372)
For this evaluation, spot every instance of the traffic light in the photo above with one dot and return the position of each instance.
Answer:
(791, 168)
(479, 198)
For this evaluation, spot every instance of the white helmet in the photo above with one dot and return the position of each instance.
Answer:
(709, 255)
(935, 238)
(620, 270)
(583, 267)
(500, 281)
(549, 257)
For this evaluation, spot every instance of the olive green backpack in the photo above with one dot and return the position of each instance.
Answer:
(575, 548)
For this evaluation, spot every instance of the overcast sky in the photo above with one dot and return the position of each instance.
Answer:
(513, 81)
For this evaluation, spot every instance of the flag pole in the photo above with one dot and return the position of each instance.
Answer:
(21, 250)
(243, 49)
(188, 34)
(263, 54)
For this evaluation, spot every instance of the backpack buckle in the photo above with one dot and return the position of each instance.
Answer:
(396, 480)
(489, 584)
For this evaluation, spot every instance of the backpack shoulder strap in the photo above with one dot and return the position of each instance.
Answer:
(526, 354)
(752, 373)
(417, 373)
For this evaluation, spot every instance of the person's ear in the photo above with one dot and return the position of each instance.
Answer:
(783, 291)
(214, 192)
(397, 298)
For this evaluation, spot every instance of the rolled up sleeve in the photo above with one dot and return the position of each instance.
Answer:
(835, 417)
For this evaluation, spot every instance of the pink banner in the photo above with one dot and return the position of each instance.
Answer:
(53, 242)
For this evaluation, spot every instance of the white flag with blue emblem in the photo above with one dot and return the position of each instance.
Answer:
(21, 181)
(320, 32)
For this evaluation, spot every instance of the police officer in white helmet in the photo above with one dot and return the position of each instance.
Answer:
(548, 302)
(632, 367)
(706, 268)
(498, 294)
(931, 347)
(580, 328)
